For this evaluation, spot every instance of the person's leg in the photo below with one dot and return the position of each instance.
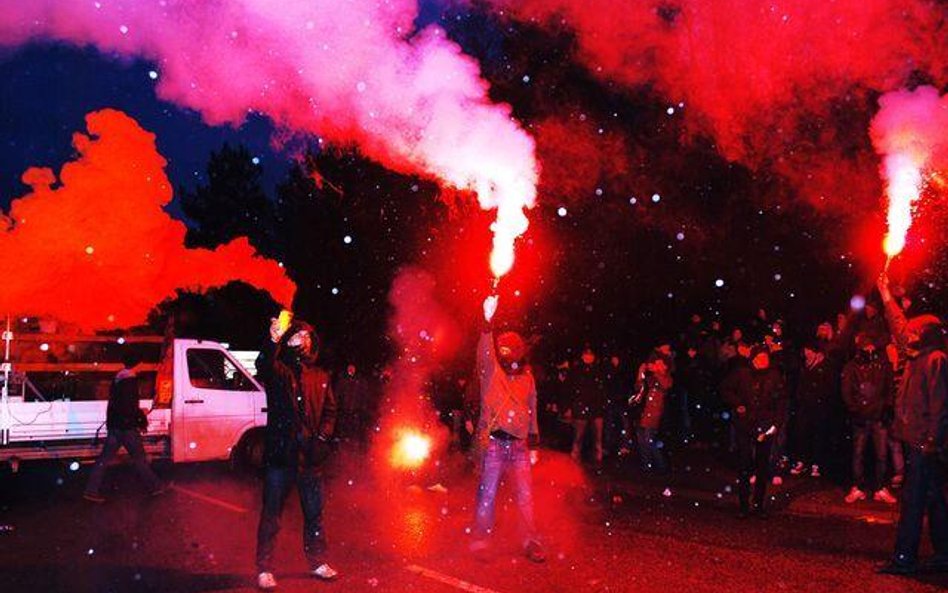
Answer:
(938, 510)
(745, 455)
(491, 468)
(911, 509)
(597, 438)
(276, 486)
(579, 431)
(643, 441)
(132, 441)
(860, 439)
(897, 451)
(762, 462)
(109, 449)
(310, 486)
(523, 488)
(880, 448)
(657, 455)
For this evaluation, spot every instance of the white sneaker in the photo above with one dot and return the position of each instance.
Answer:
(776, 481)
(883, 495)
(797, 469)
(815, 471)
(438, 488)
(266, 581)
(753, 480)
(325, 572)
(854, 495)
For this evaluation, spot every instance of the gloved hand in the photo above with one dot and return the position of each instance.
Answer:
(490, 307)
(534, 456)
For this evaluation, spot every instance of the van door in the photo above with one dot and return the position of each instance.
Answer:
(217, 401)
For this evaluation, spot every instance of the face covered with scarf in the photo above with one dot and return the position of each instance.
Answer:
(302, 345)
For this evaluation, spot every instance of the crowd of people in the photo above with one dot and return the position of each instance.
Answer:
(872, 380)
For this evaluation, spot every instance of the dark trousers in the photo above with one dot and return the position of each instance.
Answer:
(923, 491)
(276, 487)
(131, 439)
(754, 460)
(810, 434)
(862, 432)
(650, 451)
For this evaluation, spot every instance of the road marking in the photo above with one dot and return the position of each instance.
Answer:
(448, 580)
(210, 499)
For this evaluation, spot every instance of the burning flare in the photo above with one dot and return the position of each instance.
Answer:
(903, 189)
(909, 132)
(411, 449)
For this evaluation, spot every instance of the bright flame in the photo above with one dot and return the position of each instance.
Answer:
(904, 181)
(411, 449)
(511, 222)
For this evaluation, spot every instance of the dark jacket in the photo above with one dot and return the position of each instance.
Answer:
(123, 412)
(301, 407)
(867, 388)
(816, 385)
(508, 400)
(760, 393)
(921, 404)
(588, 391)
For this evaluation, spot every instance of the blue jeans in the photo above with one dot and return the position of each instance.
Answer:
(499, 456)
(650, 454)
(923, 491)
(276, 487)
(131, 439)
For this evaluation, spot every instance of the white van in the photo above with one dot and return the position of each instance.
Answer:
(201, 403)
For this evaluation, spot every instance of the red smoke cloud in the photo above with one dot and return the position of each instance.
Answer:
(354, 73)
(425, 336)
(747, 70)
(95, 247)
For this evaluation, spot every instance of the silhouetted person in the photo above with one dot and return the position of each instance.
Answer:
(301, 418)
(125, 422)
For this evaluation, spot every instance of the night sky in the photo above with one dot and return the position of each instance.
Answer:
(643, 218)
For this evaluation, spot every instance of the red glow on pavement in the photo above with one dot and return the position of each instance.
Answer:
(93, 247)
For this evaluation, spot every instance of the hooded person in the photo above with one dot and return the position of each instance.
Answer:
(921, 422)
(814, 395)
(756, 394)
(508, 422)
(301, 417)
(867, 394)
(588, 405)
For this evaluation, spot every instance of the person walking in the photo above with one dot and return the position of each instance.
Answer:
(125, 422)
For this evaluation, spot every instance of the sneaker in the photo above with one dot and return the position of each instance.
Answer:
(897, 481)
(266, 581)
(797, 469)
(815, 471)
(535, 553)
(854, 495)
(325, 572)
(753, 480)
(92, 497)
(883, 495)
(776, 481)
(438, 488)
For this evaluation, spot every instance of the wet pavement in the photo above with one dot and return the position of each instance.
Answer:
(604, 531)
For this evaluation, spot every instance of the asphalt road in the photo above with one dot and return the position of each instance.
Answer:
(388, 535)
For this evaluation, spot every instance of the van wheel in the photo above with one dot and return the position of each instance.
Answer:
(248, 454)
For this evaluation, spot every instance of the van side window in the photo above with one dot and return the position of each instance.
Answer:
(209, 368)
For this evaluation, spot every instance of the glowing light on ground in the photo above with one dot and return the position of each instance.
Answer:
(411, 449)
